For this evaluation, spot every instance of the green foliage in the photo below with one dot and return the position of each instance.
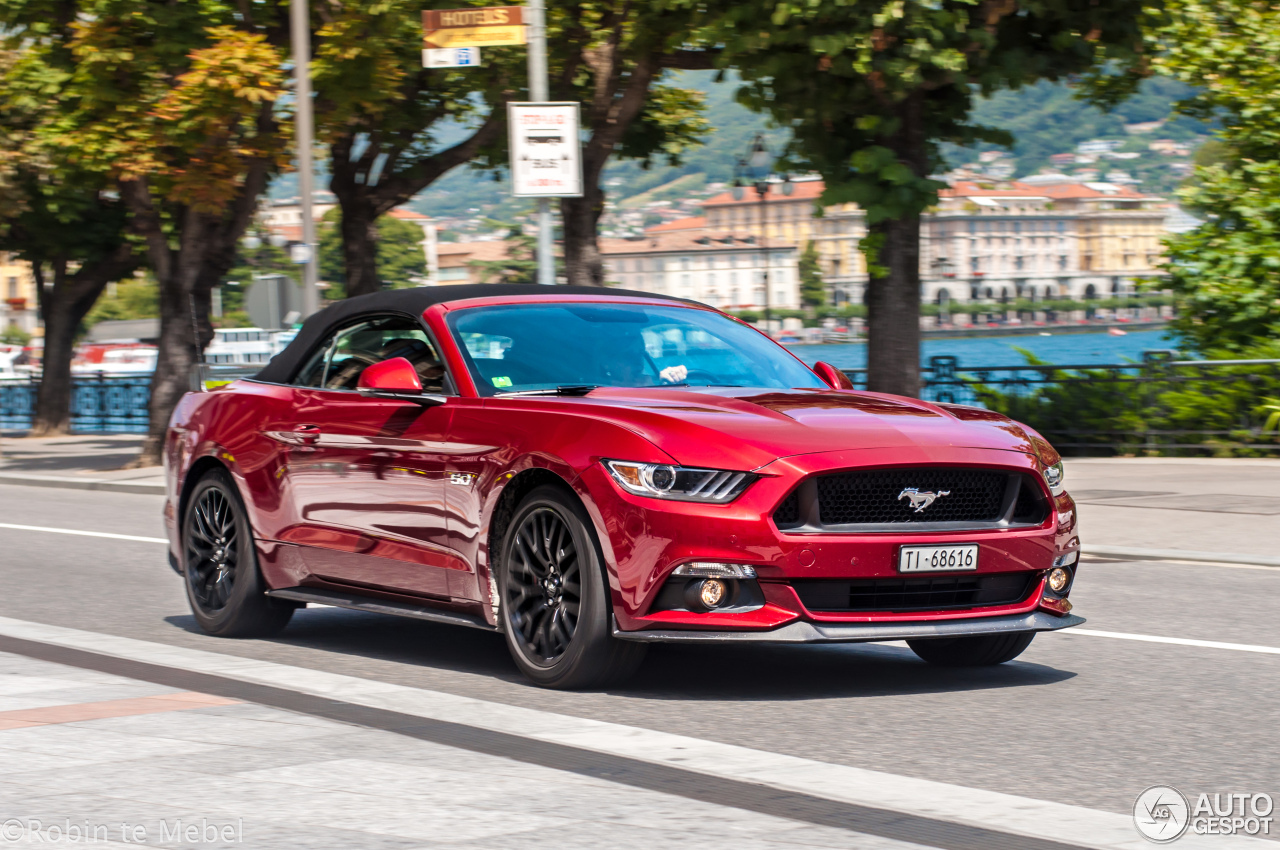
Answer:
(14, 335)
(136, 298)
(265, 259)
(813, 292)
(1226, 410)
(1226, 272)
(871, 87)
(402, 262)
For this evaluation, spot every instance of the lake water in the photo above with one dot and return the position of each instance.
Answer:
(976, 352)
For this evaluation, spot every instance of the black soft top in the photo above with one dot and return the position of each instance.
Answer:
(413, 302)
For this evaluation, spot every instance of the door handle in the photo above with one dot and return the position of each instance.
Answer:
(307, 435)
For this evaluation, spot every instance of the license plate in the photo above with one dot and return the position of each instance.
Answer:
(937, 559)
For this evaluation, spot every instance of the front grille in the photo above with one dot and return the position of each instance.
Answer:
(974, 495)
(926, 593)
(788, 513)
(879, 499)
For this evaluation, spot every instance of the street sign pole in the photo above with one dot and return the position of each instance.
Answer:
(539, 92)
(300, 19)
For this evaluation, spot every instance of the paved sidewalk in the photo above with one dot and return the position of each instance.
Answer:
(1201, 505)
(82, 461)
(97, 752)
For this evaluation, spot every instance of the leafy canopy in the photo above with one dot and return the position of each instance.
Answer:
(1226, 272)
(871, 87)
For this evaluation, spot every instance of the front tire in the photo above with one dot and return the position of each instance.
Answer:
(977, 651)
(220, 564)
(554, 598)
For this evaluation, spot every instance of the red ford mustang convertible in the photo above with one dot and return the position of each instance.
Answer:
(588, 471)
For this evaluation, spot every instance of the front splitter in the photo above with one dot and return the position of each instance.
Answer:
(807, 632)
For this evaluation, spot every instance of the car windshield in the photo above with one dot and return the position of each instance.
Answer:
(574, 347)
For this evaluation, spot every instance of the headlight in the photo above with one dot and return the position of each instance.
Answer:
(1053, 476)
(679, 483)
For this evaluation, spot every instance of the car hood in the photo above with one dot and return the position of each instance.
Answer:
(738, 428)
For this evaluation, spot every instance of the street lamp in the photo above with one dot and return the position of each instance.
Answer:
(756, 169)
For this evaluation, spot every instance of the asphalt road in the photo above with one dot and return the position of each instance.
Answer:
(1078, 719)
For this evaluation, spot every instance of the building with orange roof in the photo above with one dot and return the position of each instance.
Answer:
(793, 218)
(726, 269)
(1043, 237)
(458, 261)
(697, 222)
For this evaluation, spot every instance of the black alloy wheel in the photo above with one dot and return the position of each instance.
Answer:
(212, 550)
(555, 608)
(544, 585)
(224, 587)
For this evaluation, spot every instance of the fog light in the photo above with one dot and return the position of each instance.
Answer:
(1059, 579)
(712, 592)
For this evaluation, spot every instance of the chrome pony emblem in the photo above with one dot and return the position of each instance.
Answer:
(919, 500)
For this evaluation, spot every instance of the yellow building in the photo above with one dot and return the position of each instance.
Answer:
(793, 219)
(18, 304)
(1119, 232)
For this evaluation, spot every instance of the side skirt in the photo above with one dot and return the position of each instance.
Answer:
(378, 606)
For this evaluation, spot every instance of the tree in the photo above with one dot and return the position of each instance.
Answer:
(1226, 273)
(176, 105)
(393, 127)
(871, 88)
(400, 259)
(611, 55)
(55, 214)
(813, 292)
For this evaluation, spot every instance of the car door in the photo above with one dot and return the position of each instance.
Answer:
(366, 475)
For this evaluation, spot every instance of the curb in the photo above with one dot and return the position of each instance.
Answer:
(143, 487)
(1130, 553)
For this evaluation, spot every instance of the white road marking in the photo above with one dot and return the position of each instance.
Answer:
(1208, 644)
(908, 795)
(84, 533)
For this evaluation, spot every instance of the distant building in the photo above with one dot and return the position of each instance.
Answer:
(456, 260)
(18, 305)
(1098, 145)
(723, 269)
(1143, 127)
(793, 218)
(284, 217)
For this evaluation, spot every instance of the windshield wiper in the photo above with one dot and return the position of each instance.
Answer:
(567, 389)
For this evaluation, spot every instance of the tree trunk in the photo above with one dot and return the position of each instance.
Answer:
(206, 251)
(893, 310)
(63, 307)
(583, 262)
(359, 246)
(893, 296)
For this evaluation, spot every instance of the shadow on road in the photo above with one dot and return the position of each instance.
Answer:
(764, 673)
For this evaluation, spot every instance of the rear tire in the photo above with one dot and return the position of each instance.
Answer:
(555, 608)
(977, 651)
(220, 564)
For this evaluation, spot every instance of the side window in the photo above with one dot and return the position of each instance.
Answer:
(339, 364)
(312, 374)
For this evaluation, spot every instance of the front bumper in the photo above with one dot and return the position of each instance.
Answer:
(809, 632)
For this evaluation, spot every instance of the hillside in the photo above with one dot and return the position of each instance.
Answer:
(1045, 119)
